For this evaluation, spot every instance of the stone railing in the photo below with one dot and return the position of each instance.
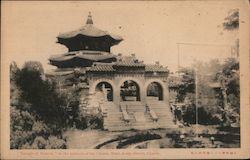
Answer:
(152, 113)
(125, 115)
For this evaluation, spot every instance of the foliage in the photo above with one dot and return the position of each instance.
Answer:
(207, 115)
(187, 84)
(71, 97)
(90, 120)
(232, 20)
(32, 125)
(55, 142)
(211, 100)
(230, 81)
(13, 70)
(45, 102)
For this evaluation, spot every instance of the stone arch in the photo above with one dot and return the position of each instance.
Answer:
(96, 82)
(131, 91)
(105, 91)
(161, 85)
(155, 90)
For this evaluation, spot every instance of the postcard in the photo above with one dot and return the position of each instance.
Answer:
(125, 79)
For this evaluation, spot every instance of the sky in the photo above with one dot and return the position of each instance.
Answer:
(153, 30)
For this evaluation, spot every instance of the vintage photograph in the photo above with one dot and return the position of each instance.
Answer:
(108, 75)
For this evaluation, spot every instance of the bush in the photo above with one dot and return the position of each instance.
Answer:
(93, 121)
(39, 143)
(39, 128)
(56, 143)
(37, 114)
(19, 138)
(45, 102)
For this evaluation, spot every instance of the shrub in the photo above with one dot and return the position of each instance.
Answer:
(18, 138)
(39, 143)
(39, 128)
(38, 112)
(55, 143)
(41, 94)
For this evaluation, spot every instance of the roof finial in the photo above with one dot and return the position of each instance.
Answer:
(89, 20)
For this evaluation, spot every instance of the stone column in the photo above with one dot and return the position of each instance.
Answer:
(143, 94)
(116, 95)
(166, 93)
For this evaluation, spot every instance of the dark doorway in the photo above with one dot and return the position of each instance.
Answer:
(154, 89)
(130, 91)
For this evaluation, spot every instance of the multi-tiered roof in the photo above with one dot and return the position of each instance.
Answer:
(89, 48)
(85, 45)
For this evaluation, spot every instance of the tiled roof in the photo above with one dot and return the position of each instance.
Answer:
(111, 67)
(89, 30)
(128, 61)
(129, 64)
(155, 68)
(90, 55)
(102, 67)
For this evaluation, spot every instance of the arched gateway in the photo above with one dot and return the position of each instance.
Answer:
(155, 91)
(105, 90)
(130, 91)
(126, 89)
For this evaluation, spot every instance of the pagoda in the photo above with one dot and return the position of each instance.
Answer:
(128, 93)
(85, 46)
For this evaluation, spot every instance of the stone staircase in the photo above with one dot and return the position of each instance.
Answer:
(139, 118)
(113, 118)
(163, 112)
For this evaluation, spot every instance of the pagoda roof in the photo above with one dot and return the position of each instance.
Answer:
(89, 30)
(83, 54)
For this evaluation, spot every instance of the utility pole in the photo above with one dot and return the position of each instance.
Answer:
(196, 76)
(196, 101)
(178, 47)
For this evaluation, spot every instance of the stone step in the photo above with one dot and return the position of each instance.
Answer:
(138, 126)
(147, 117)
(142, 126)
(166, 120)
(114, 120)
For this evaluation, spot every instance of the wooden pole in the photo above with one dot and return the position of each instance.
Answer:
(196, 100)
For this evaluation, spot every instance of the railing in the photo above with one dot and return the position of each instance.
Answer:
(125, 115)
(152, 113)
